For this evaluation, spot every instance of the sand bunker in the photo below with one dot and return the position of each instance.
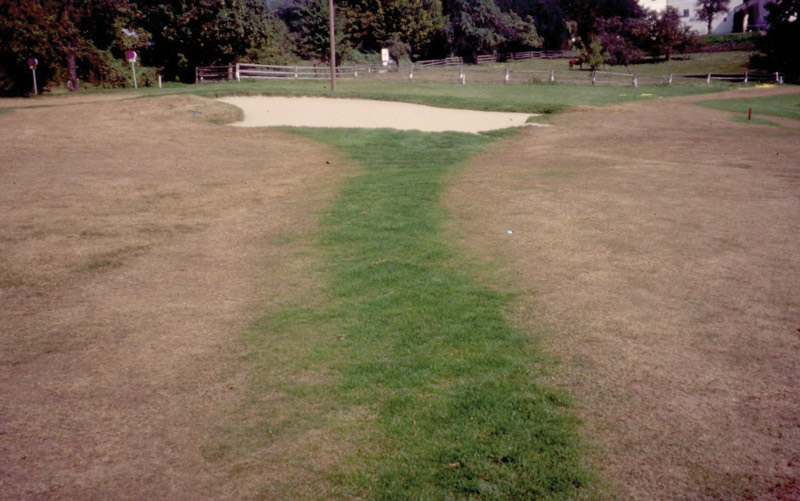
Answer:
(261, 111)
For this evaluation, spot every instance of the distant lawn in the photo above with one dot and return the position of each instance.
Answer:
(780, 106)
(526, 98)
(701, 62)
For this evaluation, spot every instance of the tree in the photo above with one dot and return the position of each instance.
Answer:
(418, 23)
(669, 35)
(479, 27)
(594, 55)
(209, 32)
(84, 32)
(398, 49)
(708, 9)
(585, 13)
(623, 39)
(548, 17)
(782, 38)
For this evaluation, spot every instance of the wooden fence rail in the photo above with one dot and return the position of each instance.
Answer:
(452, 70)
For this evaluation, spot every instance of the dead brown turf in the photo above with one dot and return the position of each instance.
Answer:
(135, 238)
(660, 243)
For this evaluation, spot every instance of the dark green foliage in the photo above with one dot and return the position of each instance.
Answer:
(366, 26)
(782, 39)
(50, 31)
(548, 17)
(210, 32)
(586, 12)
(625, 41)
(480, 27)
(174, 36)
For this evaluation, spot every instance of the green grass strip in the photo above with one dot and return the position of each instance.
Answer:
(459, 410)
(780, 106)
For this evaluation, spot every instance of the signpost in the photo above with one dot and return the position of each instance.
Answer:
(131, 57)
(33, 63)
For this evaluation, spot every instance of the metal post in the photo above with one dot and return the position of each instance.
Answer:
(238, 73)
(133, 68)
(594, 76)
(552, 75)
(777, 77)
(506, 75)
(333, 46)
(635, 81)
(745, 77)
(159, 81)
(670, 78)
(35, 88)
(708, 79)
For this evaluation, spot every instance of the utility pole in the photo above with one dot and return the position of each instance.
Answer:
(333, 47)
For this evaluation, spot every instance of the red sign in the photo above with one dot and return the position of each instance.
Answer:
(131, 56)
(33, 62)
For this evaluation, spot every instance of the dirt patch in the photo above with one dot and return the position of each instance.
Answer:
(136, 237)
(660, 242)
(262, 111)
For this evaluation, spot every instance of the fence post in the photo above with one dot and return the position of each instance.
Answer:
(238, 73)
(230, 72)
(708, 79)
(552, 75)
(506, 75)
(745, 77)
(411, 73)
(461, 75)
(777, 77)
(463, 78)
(594, 76)
(670, 79)
(635, 82)
(355, 72)
(295, 72)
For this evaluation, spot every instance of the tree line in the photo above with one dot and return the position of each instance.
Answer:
(85, 40)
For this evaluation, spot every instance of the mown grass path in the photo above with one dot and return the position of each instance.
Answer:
(458, 411)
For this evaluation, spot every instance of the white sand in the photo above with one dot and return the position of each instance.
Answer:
(261, 111)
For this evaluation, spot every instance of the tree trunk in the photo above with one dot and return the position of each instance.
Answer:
(72, 67)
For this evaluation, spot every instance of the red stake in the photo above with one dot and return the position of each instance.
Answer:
(749, 113)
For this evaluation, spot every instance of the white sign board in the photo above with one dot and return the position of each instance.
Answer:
(385, 57)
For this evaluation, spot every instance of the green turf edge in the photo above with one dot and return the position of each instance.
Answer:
(458, 409)
(786, 105)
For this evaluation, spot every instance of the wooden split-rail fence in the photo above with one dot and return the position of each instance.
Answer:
(452, 69)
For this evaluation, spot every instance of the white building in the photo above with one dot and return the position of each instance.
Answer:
(744, 15)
